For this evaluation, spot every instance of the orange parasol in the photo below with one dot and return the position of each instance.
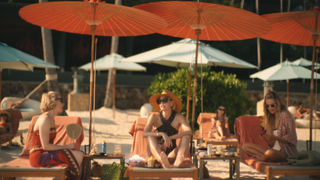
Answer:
(206, 21)
(298, 28)
(92, 18)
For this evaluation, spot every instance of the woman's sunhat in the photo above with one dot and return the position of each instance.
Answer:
(7, 113)
(153, 100)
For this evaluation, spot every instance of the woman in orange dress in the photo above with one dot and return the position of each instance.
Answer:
(43, 152)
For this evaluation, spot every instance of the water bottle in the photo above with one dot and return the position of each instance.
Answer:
(104, 146)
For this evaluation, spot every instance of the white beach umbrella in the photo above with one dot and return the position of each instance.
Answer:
(304, 62)
(112, 61)
(284, 71)
(182, 53)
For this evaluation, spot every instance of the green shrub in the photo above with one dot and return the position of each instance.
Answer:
(218, 89)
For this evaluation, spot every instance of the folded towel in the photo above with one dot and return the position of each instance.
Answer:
(305, 158)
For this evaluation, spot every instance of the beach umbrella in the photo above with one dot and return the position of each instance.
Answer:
(92, 18)
(298, 28)
(206, 21)
(112, 61)
(284, 71)
(304, 62)
(182, 54)
(11, 58)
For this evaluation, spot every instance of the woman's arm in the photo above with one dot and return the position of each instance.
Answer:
(44, 132)
(186, 130)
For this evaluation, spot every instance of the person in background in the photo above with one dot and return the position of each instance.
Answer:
(304, 113)
(280, 133)
(43, 152)
(5, 125)
(166, 123)
(220, 126)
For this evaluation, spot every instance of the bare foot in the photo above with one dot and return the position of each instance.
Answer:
(179, 160)
(164, 160)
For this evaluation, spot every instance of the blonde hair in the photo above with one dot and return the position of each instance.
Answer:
(270, 120)
(48, 101)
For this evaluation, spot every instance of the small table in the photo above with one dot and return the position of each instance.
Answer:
(88, 158)
(231, 167)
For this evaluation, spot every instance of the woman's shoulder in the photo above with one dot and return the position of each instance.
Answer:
(285, 114)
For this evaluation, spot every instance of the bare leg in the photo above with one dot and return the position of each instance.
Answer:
(183, 149)
(220, 131)
(210, 134)
(79, 157)
(255, 150)
(157, 153)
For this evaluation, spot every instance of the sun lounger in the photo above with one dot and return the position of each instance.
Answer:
(28, 109)
(139, 146)
(246, 129)
(21, 167)
(204, 121)
(15, 121)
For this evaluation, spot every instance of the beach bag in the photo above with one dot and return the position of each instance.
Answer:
(113, 171)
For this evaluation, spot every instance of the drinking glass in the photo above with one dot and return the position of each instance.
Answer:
(117, 149)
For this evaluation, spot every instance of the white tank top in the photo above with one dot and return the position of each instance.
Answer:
(276, 145)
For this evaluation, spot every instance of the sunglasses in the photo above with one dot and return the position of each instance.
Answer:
(60, 99)
(5, 115)
(164, 100)
(272, 105)
(221, 109)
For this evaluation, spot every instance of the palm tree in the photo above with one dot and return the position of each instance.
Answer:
(49, 57)
(114, 49)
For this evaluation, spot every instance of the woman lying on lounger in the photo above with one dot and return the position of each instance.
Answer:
(280, 133)
(220, 126)
(166, 122)
(43, 152)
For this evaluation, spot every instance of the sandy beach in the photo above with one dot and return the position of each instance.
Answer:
(115, 131)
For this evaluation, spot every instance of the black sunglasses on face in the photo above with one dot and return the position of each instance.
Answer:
(164, 100)
(221, 109)
(272, 105)
(60, 99)
(5, 115)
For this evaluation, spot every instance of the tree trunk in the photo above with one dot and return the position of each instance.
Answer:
(109, 90)
(48, 55)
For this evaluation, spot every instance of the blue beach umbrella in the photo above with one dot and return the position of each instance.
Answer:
(11, 58)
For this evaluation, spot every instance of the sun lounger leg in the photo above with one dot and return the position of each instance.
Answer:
(269, 173)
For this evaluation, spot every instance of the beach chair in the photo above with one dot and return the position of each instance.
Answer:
(15, 121)
(139, 146)
(246, 129)
(21, 167)
(204, 121)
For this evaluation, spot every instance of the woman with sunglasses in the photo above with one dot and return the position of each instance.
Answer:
(162, 130)
(5, 124)
(43, 152)
(280, 133)
(220, 126)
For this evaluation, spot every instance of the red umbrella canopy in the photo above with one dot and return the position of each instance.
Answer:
(217, 22)
(77, 17)
(294, 27)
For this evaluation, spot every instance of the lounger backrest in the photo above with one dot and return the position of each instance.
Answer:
(204, 121)
(61, 138)
(15, 119)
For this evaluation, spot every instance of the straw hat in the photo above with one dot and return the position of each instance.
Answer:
(6, 112)
(153, 100)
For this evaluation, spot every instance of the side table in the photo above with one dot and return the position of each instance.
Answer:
(232, 165)
(88, 159)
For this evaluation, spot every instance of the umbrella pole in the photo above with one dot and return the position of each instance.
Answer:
(93, 30)
(0, 82)
(114, 92)
(315, 37)
(188, 96)
(197, 32)
(287, 93)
